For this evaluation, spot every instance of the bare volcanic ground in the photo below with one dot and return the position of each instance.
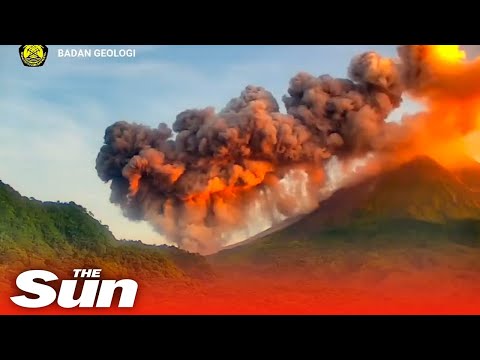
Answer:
(264, 234)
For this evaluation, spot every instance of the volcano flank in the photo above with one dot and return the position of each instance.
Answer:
(419, 204)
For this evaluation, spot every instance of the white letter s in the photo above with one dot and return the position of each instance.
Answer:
(25, 282)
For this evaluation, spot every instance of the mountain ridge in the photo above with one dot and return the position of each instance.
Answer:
(60, 235)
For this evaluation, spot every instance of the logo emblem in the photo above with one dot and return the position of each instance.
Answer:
(33, 55)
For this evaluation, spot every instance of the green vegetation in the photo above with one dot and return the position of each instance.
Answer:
(64, 236)
(419, 213)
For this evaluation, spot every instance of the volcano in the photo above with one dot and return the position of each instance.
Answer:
(417, 205)
(468, 172)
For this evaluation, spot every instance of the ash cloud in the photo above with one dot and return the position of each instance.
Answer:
(197, 182)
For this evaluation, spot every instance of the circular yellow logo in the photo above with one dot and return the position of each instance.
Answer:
(33, 55)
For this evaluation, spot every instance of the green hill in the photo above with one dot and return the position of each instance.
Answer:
(64, 236)
(28, 221)
(415, 208)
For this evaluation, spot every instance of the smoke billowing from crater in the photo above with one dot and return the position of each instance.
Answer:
(214, 173)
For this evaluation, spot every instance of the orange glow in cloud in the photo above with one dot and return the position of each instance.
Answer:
(449, 86)
(241, 181)
(449, 53)
(472, 145)
(134, 183)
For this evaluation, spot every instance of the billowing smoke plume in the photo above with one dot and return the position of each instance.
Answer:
(212, 172)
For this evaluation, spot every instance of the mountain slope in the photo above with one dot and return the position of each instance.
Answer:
(420, 189)
(65, 236)
(419, 204)
(468, 172)
(57, 224)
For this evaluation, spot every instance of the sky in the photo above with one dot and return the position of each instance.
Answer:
(53, 118)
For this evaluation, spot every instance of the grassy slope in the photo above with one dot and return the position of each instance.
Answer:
(35, 234)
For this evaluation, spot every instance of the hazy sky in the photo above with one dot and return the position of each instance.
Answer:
(53, 118)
